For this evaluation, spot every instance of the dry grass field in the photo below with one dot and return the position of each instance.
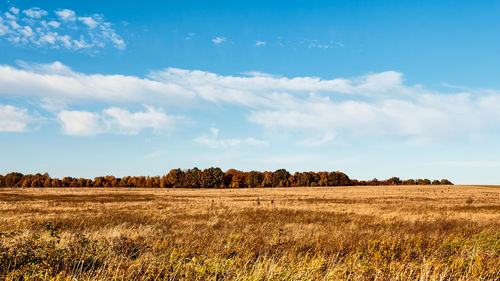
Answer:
(325, 233)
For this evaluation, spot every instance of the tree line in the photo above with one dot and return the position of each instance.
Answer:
(209, 178)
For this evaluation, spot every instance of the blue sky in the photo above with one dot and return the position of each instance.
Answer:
(371, 88)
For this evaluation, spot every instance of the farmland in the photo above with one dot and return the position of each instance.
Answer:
(300, 233)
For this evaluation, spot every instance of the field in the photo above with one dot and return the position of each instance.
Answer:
(313, 233)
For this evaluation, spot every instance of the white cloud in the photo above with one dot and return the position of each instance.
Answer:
(212, 140)
(318, 141)
(189, 36)
(57, 81)
(375, 104)
(37, 28)
(256, 142)
(14, 10)
(375, 118)
(115, 120)
(80, 123)
(313, 43)
(218, 40)
(66, 15)
(35, 13)
(259, 74)
(4, 29)
(122, 121)
(88, 21)
(14, 119)
(10, 16)
(54, 24)
(53, 105)
(260, 43)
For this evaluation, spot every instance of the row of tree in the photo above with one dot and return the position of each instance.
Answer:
(209, 178)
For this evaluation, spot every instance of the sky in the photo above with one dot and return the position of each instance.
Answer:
(372, 88)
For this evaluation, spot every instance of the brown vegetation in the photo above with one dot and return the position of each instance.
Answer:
(314, 233)
(209, 178)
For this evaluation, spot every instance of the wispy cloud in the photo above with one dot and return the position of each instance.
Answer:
(212, 140)
(317, 44)
(66, 15)
(155, 154)
(260, 43)
(318, 141)
(62, 29)
(115, 120)
(375, 104)
(14, 119)
(218, 40)
(80, 123)
(35, 13)
(189, 36)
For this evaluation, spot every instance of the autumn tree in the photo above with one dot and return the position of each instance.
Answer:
(280, 178)
(393, 181)
(175, 178)
(208, 178)
(254, 179)
(212, 177)
(423, 182)
(446, 182)
(192, 178)
(338, 179)
(11, 179)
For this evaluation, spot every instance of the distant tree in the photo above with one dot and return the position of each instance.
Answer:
(268, 179)
(355, 182)
(302, 179)
(208, 178)
(47, 182)
(234, 179)
(192, 178)
(338, 179)
(280, 178)
(11, 179)
(423, 182)
(56, 182)
(238, 180)
(446, 182)
(409, 182)
(394, 181)
(212, 177)
(163, 181)
(254, 179)
(314, 178)
(140, 181)
(175, 178)
(66, 181)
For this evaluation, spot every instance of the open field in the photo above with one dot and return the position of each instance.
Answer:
(313, 233)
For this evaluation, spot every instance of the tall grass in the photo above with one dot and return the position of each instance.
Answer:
(324, 234)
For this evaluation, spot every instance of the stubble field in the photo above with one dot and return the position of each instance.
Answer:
(313, 233)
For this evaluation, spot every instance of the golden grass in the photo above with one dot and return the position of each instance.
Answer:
(313, 233)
